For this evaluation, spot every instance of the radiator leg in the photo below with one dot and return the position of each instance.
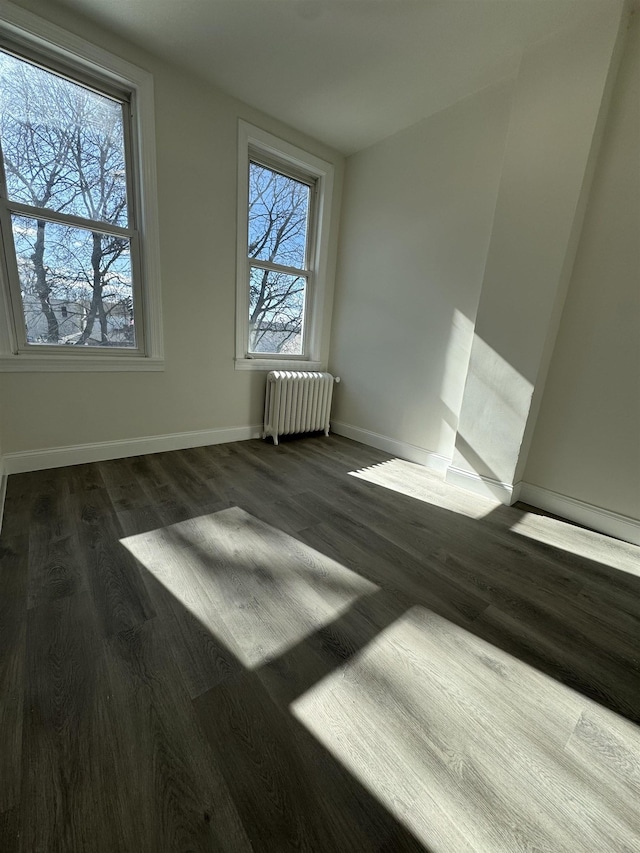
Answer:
(275, 439)
(326, 431)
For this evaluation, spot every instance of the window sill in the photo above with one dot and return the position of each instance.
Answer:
(77, 364)
(276, 364)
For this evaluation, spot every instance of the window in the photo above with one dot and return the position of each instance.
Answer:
(80, 288)
(283, 219)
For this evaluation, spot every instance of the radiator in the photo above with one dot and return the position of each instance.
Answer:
(297, 401)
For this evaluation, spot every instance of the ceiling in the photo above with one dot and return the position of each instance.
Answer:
(347, 72)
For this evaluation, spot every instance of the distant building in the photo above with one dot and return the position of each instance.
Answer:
(72, 319)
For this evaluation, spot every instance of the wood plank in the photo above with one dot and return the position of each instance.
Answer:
(169, 779)
(9, 834)
(185, 481)
(546, 644)
(290, 795)
(124, 487)
(54, 567)
(612, 756)
(189, 617)
(373, 555)
(412, 717)
(13, 614)
(69, 780)
(112, 575)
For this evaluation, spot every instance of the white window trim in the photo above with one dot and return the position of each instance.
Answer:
(251, 137)
(23, 27)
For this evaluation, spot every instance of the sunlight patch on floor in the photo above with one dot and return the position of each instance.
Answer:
(576, 540)
(254, 587)
(420, 483)
(467, 746)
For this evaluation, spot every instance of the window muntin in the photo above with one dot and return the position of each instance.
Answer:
(66, 211)
(280, 217)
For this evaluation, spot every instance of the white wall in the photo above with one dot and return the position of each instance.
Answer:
(587, 440)
(559, 102)
(418, 215)
(199, 390)
(415, 226)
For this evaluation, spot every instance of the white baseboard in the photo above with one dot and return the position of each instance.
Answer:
(434, 461)
(611, 523)
(57, 457)
(505, 493)
(603, 520)
(594, 517)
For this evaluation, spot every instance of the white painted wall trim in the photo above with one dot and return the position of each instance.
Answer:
(594, 517)
(603, 520)
(277, 364)
(506, 493)
(57, 457)
(411, 452)
(30, 363)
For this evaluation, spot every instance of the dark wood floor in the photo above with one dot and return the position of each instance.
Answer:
(310, 647)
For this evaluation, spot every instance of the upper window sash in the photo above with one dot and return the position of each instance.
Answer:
(49, 58)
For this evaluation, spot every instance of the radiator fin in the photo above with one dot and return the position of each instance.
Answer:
(297, 401)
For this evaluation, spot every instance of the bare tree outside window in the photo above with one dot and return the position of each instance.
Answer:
(278, 251)
(65, 175)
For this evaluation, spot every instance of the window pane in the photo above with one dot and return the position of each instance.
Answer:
(75, 285)
(278, 214)
(63, 144)
(276, 312)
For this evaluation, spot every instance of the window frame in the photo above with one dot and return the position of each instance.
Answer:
(257, 145)
(66, 54)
